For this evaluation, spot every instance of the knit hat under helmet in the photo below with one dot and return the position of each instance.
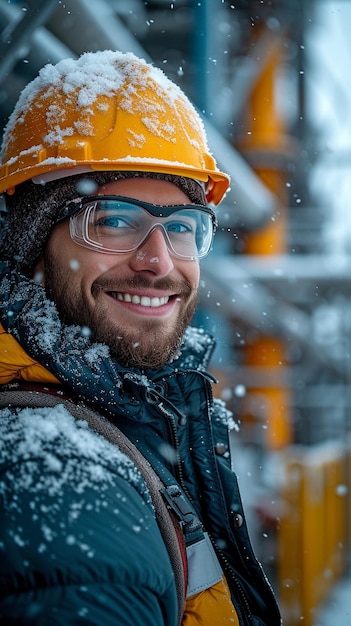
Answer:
(32, 211)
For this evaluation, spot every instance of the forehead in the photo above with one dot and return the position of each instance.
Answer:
(150, 190)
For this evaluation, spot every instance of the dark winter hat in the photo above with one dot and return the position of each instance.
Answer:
(32, 211)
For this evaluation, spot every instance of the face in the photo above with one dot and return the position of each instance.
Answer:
(138, 303)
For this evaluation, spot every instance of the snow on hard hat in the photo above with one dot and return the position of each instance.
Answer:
(106, 111)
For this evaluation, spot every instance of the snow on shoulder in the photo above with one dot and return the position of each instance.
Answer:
(66, 450)
(57, 478)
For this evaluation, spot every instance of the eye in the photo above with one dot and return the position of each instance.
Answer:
(114, 220)
(181, 227)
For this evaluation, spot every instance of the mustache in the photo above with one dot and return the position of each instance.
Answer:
(142, 282)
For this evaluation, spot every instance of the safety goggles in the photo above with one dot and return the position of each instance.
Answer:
(115, 224)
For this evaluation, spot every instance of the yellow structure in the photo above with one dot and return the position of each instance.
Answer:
(265, 145)
(313, 530)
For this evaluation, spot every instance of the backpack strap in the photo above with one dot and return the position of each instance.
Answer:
(168, 522)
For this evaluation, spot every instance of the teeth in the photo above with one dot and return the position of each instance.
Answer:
(143, 300)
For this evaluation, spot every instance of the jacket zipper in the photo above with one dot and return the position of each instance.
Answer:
(173, 432)
(245, 618)
(243, 610)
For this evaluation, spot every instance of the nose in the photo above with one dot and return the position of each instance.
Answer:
(153, 255)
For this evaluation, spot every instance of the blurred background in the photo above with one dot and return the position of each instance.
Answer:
(271, 79)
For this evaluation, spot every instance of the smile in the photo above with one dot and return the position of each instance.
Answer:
(154, 301)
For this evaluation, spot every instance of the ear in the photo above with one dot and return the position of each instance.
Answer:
(39, 273)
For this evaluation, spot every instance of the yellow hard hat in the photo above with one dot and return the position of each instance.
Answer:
(106, 111)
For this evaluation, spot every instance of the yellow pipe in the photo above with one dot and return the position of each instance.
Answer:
(265, 146)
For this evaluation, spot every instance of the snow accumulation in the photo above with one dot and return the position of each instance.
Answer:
(70, 452)
(85, 81)
(55, 469)
(46, 449)
(224, 415)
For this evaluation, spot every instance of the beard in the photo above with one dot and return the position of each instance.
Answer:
(151, 343)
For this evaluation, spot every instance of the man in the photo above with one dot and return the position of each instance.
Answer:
(107, 181)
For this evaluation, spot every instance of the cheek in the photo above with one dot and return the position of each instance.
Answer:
(61, 249)
(87, 265)
(191, 271)
(67, 259)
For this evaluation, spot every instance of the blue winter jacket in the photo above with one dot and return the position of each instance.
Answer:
(79, 543)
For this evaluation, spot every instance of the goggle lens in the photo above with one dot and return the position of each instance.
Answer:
(114, 224)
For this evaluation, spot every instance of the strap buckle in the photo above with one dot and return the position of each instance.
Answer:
(181, 507)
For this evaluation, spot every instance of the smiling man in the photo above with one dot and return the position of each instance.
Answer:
(138, 301)
(113, 445)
